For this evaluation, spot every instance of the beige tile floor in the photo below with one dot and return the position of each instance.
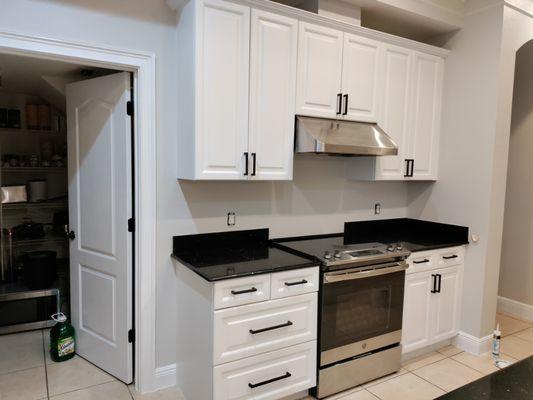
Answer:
(27, 373)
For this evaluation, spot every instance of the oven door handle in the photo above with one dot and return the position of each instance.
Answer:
(356, 273)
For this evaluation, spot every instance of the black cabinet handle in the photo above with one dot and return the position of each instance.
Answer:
(302, 282)
(270, 328)
(434, 289)
(279, 378)
(339, 103)
(254, 157)
(235, 292)
(450, 257)
(425, 260)
(245, 163)
(409, 167)
(439, 282)
(345, 105)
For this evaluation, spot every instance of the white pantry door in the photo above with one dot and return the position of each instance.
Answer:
(99, 174)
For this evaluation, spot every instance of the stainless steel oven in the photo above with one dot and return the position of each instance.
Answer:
(360, 311)
(361, 323)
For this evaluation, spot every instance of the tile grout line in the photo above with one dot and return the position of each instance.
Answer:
(45, 367)
(129, 391)
(83, 388)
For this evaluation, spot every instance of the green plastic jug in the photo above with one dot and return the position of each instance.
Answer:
(62, 339)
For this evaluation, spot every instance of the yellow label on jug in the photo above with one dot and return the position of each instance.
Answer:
(65, 346)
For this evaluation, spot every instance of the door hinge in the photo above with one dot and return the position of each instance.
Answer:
(131, 225)
(131, 336)
(129, 107)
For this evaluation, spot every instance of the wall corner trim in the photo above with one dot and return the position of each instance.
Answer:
(473, 344)
(515, 308)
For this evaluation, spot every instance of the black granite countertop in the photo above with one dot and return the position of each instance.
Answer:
(512, 383)
(225, 255)
(414, 234)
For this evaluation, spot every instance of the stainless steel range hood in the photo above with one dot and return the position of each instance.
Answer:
(342, 138)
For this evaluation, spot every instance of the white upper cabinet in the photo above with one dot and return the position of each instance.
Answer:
(237, 92)
(273, 53)
(426, 108)
(410, 107)
(319, 71)
(360, 78)
(394, 120)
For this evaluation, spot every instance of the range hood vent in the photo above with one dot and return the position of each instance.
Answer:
(342, 138)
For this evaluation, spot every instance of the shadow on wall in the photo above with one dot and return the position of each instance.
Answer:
(158, 11)
(319, 186)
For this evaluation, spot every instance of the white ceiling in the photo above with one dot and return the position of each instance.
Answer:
(41, 77)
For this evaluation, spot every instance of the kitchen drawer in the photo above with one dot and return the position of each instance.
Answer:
(268, 376)
(450, 256)
(294, 282)
(239, 291)
(422, 261)
(258, 328)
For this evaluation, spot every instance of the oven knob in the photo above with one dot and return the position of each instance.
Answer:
(390, 247)
(399, 247)
(337, 254)
(327, 255)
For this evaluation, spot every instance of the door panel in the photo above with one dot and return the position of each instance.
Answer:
(272, 94)
(99, 169)
(360, 78)
(446, 307)
(426, 115)
(394, 113)
(319, 70)
(416, 312)
(223, 63)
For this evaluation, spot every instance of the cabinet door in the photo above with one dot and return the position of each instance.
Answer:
(319, 70)
(223, 35)
(416, 311)
(272, 95)
(360, 78)
(445, 309)
(397, 73)
(426, 109)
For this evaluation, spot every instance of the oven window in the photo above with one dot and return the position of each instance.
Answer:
(359, 309)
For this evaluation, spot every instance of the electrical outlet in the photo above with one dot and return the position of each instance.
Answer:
(377, 208)
(231, 220)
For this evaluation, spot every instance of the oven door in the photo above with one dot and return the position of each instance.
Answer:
(361, 311)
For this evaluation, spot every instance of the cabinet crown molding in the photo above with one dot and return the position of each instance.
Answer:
(307, 16)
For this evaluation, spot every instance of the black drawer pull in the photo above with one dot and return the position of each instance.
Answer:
(450, 257)
(434, 289)
(235, 292)
(279, 378)
(302, 282)
(271, 328)
(425, 260)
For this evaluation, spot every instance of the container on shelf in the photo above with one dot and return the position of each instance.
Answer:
(37, 190)
(39, 269)
(32, 116)
(13, 118)
(14, 194)
(44, 116)
(3, 117)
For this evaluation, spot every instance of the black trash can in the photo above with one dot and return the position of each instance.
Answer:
(39, 269)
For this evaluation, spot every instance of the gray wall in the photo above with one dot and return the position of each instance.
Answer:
(516, 274)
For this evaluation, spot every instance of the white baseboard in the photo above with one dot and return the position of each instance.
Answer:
(165, 377)
(472, 344)
(515, 308)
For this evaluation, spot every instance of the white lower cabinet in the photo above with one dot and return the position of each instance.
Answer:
(432, 298)
(257, 328)
(268, 376)
(253, 337)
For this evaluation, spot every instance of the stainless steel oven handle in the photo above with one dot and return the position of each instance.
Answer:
(356, 273)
